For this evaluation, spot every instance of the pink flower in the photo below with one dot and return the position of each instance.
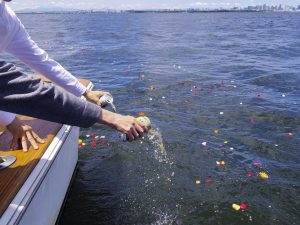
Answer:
(243, 206)
(208, 181)
(256, 164)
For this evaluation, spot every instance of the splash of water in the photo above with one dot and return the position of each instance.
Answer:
(113, 106)
(156, 139)
(164, 218)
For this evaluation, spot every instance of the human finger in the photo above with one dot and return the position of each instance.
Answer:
(98, 103)
(32, 140)
(130, 137)
(13, 143)
(134, 133)
(140, 128)
(104, 93)
(19, 144)
(24, 143)
(94, 96)
(37, 138)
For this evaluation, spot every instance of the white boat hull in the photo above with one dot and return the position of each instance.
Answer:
(40, 199)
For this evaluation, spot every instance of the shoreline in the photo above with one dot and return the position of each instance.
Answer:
(153, 12)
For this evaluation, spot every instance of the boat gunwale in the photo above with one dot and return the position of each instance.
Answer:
(17, 208)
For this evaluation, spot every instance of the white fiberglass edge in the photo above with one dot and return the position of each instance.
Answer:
(45, 206)
(25, 194)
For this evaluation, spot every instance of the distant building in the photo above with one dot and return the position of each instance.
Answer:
(264, 7)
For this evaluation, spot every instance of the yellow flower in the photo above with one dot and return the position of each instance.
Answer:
(263, 175)
(236, 207)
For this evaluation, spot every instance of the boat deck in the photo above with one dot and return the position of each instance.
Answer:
(13, 177)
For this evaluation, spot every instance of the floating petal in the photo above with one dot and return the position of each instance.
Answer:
(243, 206)
(236, 207)
(263, 175)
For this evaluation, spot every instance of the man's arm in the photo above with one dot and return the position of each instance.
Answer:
(22, 94)
(25, 95)
(18, 43)
(27, 51)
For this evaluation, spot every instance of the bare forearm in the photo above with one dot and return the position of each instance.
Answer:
(125, 124)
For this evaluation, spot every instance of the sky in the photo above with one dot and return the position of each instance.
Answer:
(144, 4)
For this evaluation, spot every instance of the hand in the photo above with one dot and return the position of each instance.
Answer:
(94, 96)
(125, 124)
(23, 132)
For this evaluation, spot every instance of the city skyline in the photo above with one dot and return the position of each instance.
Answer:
(138, 5)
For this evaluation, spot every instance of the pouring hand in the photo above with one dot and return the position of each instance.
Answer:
(94, 96)
(125, 124)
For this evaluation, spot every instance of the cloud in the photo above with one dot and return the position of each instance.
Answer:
(199, 4)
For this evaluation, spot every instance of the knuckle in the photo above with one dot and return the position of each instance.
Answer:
(18, 135)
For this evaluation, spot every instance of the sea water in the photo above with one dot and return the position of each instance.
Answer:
(193, 74)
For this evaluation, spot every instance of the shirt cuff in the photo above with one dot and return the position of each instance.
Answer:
(6, 118)
(82, 89)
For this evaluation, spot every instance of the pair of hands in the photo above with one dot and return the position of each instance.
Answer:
(125, 124)
(24, 134)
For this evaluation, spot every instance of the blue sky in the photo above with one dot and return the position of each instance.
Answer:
(144, 4)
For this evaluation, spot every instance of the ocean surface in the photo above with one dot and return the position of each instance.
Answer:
(217, 87)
